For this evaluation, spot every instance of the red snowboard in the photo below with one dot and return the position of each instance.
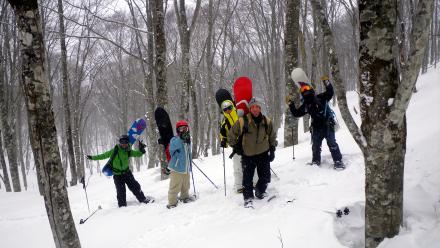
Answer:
(242, 93)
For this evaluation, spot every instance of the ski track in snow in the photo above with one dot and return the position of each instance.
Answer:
(218, 221)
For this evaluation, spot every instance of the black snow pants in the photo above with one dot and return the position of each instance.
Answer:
(262, 164)
(133, 186)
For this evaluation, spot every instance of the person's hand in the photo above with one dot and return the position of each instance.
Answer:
(325, 80)
(271, 153)
(142, 147)
(289, 99)
(223, 143)
(89, 157)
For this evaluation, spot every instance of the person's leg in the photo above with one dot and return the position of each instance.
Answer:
(333, 146)
(238, 173)
(186, 184)
(263, 170)
(317, 138)
(175, 186)
(248, 174)
(134, 186)
(120, 190)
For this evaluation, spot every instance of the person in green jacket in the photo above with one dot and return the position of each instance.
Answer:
(121, 170)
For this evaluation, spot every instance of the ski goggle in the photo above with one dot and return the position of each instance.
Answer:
(305, 88)
(182, 129)
(227, 108)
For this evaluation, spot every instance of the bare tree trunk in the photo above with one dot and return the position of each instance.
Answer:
(20, 146)
(188, 88)
(39, 105)
(291, 61)
(66, 106)
(160, 68)
(5, 177)
(8, 133)
(384, 124)
(209, 59)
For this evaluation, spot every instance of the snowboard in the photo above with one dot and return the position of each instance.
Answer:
(300, 78)
(165, 129)
(242, 93)
(136, 130)
(222, 95)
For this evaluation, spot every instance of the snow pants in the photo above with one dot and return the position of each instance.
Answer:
(262, 164)
(178, 183)
(132, 184)
(318, 134)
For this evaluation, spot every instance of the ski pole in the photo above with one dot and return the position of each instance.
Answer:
(192, 176)
(81, 221)
(204, 174)
(274, 173)
(224, 169)
(85, 190)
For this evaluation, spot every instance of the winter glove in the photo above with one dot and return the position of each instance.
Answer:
(142, 147)
(325, 80)
(223, 143)
(289, 99)
(89, 157)
(160, 141)
(271, 153)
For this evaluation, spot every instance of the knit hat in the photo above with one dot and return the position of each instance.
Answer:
(255, 101)
(181, 123)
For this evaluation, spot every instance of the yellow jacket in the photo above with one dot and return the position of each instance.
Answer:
(228, 121)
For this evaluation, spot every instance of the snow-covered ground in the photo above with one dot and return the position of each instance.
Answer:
(214, 220)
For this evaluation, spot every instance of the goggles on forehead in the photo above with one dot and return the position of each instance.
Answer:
(227, 108)
(305, 88)
(182, 129)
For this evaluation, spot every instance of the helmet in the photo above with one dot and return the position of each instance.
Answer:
(226, 104)
(124, 139)
(181, 123)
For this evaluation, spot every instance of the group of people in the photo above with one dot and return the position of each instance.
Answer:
(252, 137)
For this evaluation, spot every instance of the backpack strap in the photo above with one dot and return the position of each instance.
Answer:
(115, 151)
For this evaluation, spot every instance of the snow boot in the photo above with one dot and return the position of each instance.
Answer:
(316, 163)
(188, 199)
(248, 203)
(339, 165)
(148, 199)
(170, 206)
(260, 195)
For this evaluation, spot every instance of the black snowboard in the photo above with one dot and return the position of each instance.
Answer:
(164, 125)
(222, 95)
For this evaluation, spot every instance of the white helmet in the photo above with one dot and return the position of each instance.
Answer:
(298, 75)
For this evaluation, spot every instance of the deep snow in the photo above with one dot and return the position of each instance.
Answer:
(217, 221)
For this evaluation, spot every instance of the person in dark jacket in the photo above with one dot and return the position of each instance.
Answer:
(121, 170)
(323, 123)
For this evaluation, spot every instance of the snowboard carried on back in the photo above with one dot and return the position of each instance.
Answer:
(165, 129)
(222, 95)
(242, 93)
(133, 133)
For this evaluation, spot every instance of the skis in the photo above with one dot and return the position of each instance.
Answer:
(82, 221)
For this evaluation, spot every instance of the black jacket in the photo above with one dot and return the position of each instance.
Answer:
(315, 108)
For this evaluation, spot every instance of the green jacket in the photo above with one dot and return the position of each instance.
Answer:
(121, 160)
(257, 139)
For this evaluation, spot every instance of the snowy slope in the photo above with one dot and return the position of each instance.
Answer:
(218, 221)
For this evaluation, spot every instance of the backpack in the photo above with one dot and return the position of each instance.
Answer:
(331, 119)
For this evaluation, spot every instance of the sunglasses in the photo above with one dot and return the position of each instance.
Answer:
(182, 129)
(227, 108)
(305, 88)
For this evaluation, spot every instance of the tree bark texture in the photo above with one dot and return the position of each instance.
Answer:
(39, 106)
(384, 100)
(291, 62)
(5, 177)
